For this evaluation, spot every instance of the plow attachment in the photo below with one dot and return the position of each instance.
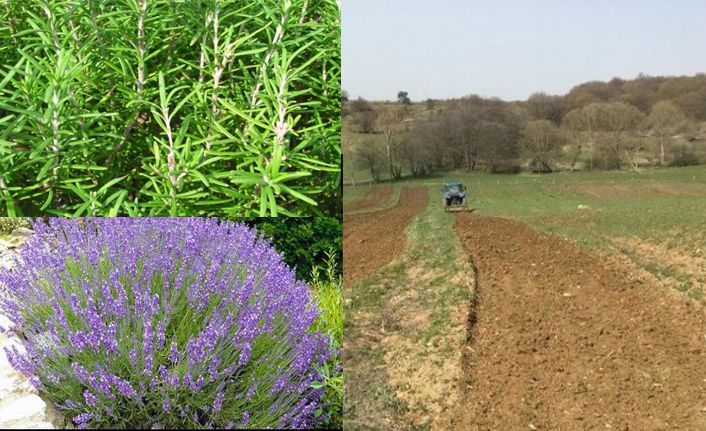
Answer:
(457, 208)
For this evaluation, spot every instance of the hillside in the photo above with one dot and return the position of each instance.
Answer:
(618, 124)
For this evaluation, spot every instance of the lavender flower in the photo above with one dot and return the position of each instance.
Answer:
(133, 357)
(173, 353)
(82, 419)
(217, 403)
(177, 309)
(90, 398)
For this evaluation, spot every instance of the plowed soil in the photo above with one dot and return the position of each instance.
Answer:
(374, 199)
(565, 340)
(372, 240)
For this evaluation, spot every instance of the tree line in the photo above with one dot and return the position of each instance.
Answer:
(619, 124)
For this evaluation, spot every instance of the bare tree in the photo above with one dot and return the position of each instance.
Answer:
(664, 120)
(389, 123)
(362, 114)
(616, 119)
(545, 107)
(541, 139)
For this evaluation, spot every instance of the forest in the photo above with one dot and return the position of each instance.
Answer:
(619, 124)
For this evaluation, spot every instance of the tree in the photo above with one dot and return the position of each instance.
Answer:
(693, 104)
(419, 149)
(545, 107)
(402, 97)
(344, 96)
(615, 119)
(664, 120)
(579, 123)
(389, 124)
(362, 114)
(369, 156)
(540, 139)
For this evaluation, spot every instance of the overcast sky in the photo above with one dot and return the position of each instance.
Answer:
(512, 48)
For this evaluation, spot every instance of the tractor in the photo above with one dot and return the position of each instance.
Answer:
(454, 196)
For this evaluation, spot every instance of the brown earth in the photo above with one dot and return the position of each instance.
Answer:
(566, 340)
(372, 240)
(374, 199)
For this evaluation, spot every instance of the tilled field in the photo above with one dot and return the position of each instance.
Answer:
(375, 198)
(566, 340)
(372, 240)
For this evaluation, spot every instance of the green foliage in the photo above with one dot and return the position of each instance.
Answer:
(327, 291)
(305, 242)
(169, 107)
(8, 224)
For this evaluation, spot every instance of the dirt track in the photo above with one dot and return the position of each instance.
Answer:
(372, 240)
(565, 340)
(375, 198)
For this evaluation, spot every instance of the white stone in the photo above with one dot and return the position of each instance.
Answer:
(5, 322)
(55, 417)
(14, 384)
(38, 426)
(22, 232)
(16, 411)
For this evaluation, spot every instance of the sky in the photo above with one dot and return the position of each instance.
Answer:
(512, 48)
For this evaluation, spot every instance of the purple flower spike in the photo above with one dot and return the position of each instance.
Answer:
(176, 318)
(90, 398)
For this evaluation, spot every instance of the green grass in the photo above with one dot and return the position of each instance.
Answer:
(353, 194)
(326, 286)
(660, 206)
(629, 206)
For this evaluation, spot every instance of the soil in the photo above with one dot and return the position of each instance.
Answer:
(376, 197)
(372, 240)
(567, 340)
(403, 361)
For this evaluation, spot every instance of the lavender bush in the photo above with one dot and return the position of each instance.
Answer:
(178, 321)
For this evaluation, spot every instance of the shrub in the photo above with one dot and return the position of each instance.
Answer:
(684, 155)
(163, 107)
(304, 242)
(8, 224)
(182, 322)
(327, 290)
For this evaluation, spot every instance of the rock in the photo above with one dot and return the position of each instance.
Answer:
(14, 383)
(22, 232)
(584, 207)
(7, 255)
(19, 411)
(38, 426)
(5, 323)
(55, 417)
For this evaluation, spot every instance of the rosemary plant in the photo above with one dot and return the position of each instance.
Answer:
(169, 107)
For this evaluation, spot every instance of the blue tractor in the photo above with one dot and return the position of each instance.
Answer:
(454, 196)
